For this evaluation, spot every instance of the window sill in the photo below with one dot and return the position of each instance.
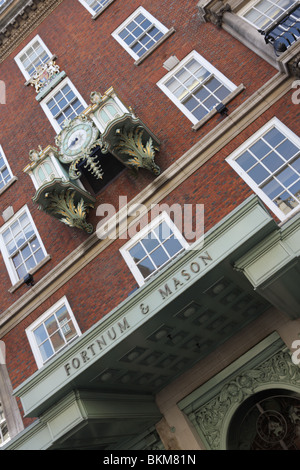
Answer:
(13, 288)
(155, 46)
(102, 10)
(209, 115)
(11, 181)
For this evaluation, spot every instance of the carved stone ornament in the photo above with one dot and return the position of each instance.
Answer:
(44, 75)
(294, 66)
(96, 97)
(211, 11)
(209, 418)
(35, 155)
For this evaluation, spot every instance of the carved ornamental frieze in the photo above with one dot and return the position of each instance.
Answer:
(209, 419)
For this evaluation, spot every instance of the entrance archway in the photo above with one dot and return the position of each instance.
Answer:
(267, 420)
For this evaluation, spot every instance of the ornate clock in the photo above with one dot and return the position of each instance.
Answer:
(75, 142)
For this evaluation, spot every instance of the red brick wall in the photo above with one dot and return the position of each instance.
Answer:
(93, 60)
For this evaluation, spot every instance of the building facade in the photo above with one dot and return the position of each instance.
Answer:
(150, 225)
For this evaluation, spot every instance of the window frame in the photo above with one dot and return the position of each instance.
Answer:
(124, 250)
(43, 103)
(41, 320)
(231, 160)
(213, 72)
(18, 56)
(93, 12)
(141, 10)
(2, 154)
(244, 10)
(3, 422)
(12, 272)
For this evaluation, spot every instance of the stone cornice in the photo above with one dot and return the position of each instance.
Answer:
(27, 17)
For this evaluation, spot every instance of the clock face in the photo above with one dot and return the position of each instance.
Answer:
(80, 137)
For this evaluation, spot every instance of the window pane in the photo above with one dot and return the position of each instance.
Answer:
(273, 162)
(222, 92)
(57, 341)
(295, 189)
(274, 137)
(19, 239)
(46, 350)
(26, 252)
(159, 257)
(273, 189)
(287, 177)
(30, 263)
(296, 165)
(286, 202)
(287, 149)
(40, 334)
(150, 242)
(146, 267)
(260, 149)
(39, 256)
(17, 260)
(34, 245)
(137, 252)
(191, 103)
(163, 231)
(62, 314)
(246, 160)
(199, 112)
(21, 272)
(258, 174)
(51, 325)
(28, 230)
(172, 246)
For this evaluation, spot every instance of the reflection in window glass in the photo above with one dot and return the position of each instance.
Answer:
(54, 333)
(65, 105)
(4, 435)
(5, 174)
(196, 87)
(22, 245)
(155, 249)
(264, 12)
(272, 162)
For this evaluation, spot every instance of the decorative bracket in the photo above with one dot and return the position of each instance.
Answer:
(132, 143)
(66, 202)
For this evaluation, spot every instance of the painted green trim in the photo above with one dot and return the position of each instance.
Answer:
(258, 353)
(237, 231)
(272, 267)
(76, 409)
(285, 240)
(211, 408)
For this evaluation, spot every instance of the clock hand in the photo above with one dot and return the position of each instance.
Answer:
(73, 143)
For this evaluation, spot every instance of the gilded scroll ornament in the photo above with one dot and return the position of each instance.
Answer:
(131, 143)
(63, 205)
